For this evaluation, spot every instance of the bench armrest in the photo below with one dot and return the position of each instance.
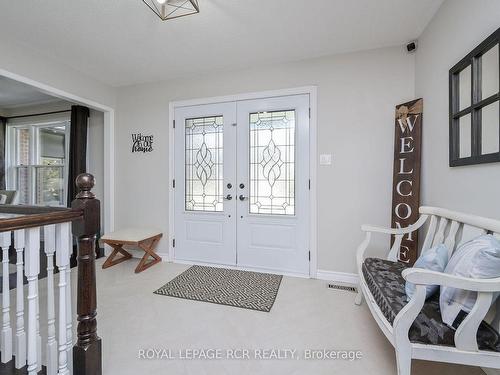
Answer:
(466, 332)
(398, 232)
(395, 231)
(421, 276)
(377, 229)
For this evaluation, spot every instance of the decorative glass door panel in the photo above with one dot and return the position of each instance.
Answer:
(204, 175)
(272, 163)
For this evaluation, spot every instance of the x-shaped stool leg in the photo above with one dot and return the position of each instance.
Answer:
(117, 249)
(148, 252)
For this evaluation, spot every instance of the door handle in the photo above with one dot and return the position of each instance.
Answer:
(242, 198)
(228, 197)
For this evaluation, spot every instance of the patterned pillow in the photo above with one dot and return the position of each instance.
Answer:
(434, 259)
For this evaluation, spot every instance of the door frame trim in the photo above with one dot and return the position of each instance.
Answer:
(313, 122)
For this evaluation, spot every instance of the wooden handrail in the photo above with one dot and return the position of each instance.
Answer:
(22, 209)
(38, 220)
(33, 219)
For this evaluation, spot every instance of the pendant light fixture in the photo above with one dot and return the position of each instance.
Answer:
(169, 9)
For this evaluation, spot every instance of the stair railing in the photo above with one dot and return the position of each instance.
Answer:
(20, 334)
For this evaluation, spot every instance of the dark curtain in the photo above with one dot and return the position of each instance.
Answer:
(77, 147)
(3, 122)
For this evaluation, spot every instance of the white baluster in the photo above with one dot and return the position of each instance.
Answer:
(38, 336)
(50, 247)
(69, 318)
(62, 261)
(20, 342)
(32, 269)
(6, 341)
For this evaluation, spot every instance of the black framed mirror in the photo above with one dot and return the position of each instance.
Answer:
(475, 105)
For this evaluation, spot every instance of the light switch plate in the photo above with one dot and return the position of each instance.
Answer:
(325, 159)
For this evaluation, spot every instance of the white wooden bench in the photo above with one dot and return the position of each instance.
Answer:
(452, 229)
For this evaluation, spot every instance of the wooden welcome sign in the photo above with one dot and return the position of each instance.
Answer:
(406, 178)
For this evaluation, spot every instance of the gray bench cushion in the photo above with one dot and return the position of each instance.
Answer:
(387, 286)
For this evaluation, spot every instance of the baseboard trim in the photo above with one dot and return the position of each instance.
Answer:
(163, 256)
(341, 277)
(241, 268)
(490, 371)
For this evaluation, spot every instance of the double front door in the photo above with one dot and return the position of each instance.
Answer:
(242, 184)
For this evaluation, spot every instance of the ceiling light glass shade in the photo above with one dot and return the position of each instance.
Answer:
(168, 9)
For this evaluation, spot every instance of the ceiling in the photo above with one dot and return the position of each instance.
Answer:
(14, 94)
(122, 42)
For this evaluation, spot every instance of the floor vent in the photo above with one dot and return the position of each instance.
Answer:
(346, 288)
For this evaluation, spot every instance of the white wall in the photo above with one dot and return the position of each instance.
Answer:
(95, 155)
(458, 27)
(357, 94)
(26, 62)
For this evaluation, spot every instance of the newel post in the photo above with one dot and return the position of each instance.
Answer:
(87, 353)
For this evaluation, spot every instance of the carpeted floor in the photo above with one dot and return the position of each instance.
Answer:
(305, 315)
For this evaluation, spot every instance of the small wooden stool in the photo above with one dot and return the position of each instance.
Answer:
(145, 239)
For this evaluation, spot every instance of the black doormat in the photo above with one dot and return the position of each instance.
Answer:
(245, 289)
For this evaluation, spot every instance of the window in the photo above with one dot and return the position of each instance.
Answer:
(37, 162)
(475, 105)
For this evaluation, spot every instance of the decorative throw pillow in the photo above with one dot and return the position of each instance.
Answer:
(478, 258)
(434, 259)
(3, 198)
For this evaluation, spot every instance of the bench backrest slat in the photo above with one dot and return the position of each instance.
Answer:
(451, 237)
(430, 233)
(439, 237)
(490, 225)
(455, 228)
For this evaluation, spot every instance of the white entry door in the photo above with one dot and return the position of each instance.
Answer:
(205, 175)
(273, 184)
(242, 184)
